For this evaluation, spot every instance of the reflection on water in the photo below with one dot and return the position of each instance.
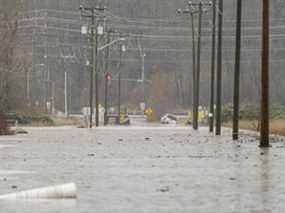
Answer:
(251, 186)
(36, 205)
(265, 178)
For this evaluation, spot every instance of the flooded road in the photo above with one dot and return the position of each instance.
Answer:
(143, 169)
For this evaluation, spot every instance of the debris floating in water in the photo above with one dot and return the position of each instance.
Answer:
(66, 191)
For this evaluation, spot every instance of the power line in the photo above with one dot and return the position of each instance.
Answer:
(186, 50)
(125, 26)
(159, 37)
(139, 20)
(244, 61)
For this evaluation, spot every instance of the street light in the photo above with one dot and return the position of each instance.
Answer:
(84, 30)
(108, 76)
(111, 43)
(124, 48)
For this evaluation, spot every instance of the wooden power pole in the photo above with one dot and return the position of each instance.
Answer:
(198, 70)
(219, 69)
(213, 63)
(237, 72)
(264, 130)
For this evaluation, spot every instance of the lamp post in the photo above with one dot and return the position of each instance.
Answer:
(99, 32)
(108, 76)
(122, 50)
(143, 77)
(66, 103)
(65, 94)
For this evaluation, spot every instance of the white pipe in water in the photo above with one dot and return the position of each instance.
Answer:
(66, 191)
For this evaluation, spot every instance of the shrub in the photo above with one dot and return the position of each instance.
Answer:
(4, 127)
(252, 112)
(249, 112)
(277, 111)
(227, 113)
(27, 118)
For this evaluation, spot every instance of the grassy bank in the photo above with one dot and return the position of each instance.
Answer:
(70, 121)
(277, 127)
(250, 115)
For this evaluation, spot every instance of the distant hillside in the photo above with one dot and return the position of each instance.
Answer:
(166, 40)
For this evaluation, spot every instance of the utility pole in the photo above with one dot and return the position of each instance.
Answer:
(95, 49)
(95, 32)
(143, 76)
(194, 117)
(65, 86)
(106, 106)
(219, 70)
(107, 78)
(264, 130)
(189, 11)
(46, 79)
(237, 72)
(196, 66)
(213, 64)
(119, 98)
(193, 64)
(28, 88)
(53, 97)
(197, 80)
(92, 71)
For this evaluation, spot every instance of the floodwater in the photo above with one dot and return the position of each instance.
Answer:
(141, 169)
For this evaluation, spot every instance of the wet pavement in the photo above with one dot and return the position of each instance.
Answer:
(143, 169)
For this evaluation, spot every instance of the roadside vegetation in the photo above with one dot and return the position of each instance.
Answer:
(250, 115)
(4, 126)
(32, 117)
